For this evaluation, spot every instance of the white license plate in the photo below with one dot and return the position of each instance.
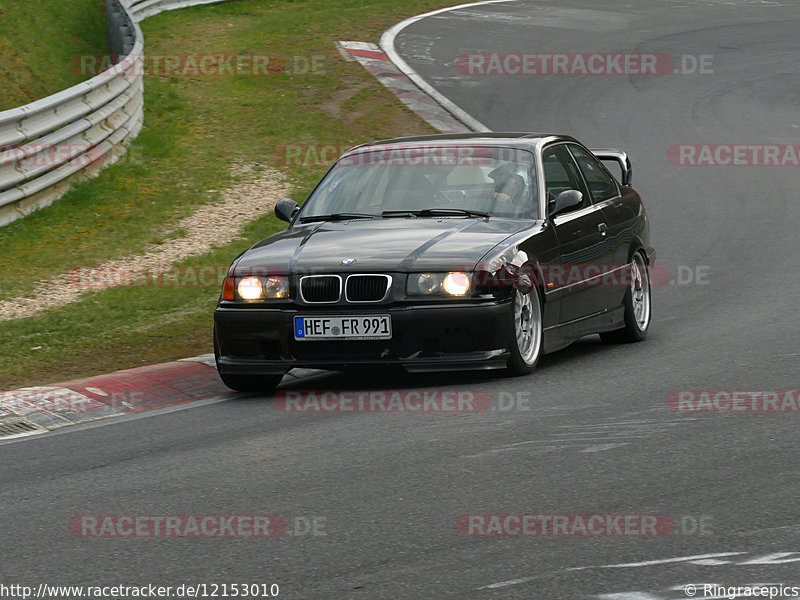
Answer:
(365, 327)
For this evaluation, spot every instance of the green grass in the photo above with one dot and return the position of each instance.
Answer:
(195, 129)
(37, 40)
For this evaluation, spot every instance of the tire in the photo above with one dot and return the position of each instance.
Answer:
(246, 383)
(251, 383)
(637, 303)
(526, 333)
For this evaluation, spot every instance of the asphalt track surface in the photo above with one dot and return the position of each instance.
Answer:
(596, 437)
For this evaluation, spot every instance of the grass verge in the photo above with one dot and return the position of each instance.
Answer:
(37, 39)
(195, 129)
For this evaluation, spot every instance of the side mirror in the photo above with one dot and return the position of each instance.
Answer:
(286, 209)
(565, 201)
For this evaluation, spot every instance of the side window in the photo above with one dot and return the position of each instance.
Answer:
(602, 185)
(561, 174)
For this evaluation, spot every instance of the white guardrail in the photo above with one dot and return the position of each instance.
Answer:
(49, 143)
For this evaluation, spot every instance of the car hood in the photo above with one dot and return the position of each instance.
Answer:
(381, 245)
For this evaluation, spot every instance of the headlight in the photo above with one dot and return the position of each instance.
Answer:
(276, 287)
(438, 284)
(253, 289)
(250, 289)
(456, 284)
(429, 283)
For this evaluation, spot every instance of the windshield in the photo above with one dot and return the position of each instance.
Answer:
(497, 181)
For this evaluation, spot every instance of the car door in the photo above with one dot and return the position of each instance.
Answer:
(581, 234)
(606, 194)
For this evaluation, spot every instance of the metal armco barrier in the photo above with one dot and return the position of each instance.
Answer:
(47, 144)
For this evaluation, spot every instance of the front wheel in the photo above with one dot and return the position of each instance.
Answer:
(246, 383)
(252, 383)
(527, 333)
(636, 303)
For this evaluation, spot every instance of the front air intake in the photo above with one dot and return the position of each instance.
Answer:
(317, 289)
(367, 288)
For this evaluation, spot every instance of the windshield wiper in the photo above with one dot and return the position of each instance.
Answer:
(337, 217)
(438, 212)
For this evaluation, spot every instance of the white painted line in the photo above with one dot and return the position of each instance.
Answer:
(638, 423)
(509, 583)
(602, 448)
(629, 596)
(663, 561)
(709, 562)
(340, 46)
(600, 439)
(387, 42)
(778, 558)
(206, 359)
(359, 46)
(25, 434)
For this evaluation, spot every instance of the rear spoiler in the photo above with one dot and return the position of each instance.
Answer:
(619, 157)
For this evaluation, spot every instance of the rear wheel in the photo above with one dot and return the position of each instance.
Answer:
(526, 344)
(636, 303)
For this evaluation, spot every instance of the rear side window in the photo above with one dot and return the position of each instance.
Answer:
(602, 185)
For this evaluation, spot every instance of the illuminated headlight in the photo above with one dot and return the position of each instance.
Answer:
(438, 284)
(250, 289)
(456, 284)
(253, 289)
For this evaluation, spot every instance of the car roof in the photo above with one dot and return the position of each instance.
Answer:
(527, 141)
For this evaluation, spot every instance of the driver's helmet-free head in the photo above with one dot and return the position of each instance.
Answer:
(503, 172)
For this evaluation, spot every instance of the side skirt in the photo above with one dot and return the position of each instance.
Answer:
(562, 335)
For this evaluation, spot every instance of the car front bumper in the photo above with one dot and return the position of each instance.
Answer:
(429, 337)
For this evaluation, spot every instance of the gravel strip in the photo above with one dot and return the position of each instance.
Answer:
(209, 226)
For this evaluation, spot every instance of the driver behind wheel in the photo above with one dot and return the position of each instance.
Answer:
(508, 187)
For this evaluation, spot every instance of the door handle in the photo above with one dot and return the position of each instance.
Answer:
(603, 229)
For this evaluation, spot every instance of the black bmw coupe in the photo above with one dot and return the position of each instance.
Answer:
(447, 252)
